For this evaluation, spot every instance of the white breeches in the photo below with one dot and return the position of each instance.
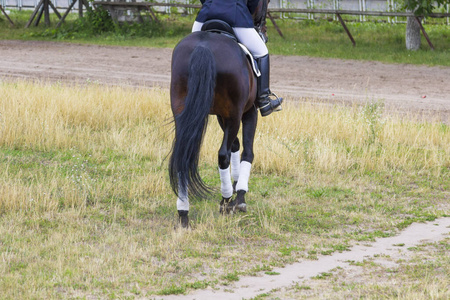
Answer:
(247, 36)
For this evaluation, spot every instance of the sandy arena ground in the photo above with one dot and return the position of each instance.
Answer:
(403, 88)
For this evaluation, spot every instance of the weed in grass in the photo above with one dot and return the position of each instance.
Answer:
(371, 114)
(323, 275)
(234, 276)
(172, 290)
(259, 268)
(286, 251)
(263, 296)
(203, 284)
(326, 252)
(271, 273)
(299, 287)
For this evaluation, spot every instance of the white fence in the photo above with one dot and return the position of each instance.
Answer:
(376, 5)
(354, 5)
(19, 4)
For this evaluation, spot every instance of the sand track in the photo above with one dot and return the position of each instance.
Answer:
(402, 87)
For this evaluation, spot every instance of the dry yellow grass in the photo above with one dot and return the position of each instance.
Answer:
(91, 119)
(86, 208)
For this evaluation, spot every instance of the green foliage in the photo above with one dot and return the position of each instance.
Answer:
(424, 7)
(98, 23)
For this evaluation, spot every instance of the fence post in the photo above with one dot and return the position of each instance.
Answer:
(364, 9)
(447, 12)
(360, 9)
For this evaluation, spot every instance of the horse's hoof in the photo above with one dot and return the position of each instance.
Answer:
(242, 207)
(183, 218)
(240, 204)
(225, 206)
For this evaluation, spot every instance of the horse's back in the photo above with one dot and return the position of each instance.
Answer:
(235, 82)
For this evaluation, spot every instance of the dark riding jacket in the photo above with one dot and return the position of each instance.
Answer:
(237, 13)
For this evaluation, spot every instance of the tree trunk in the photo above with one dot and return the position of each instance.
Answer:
(413, 36)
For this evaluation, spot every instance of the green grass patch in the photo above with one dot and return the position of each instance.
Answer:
(271, 273)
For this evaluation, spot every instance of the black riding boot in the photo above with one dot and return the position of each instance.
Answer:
(263, 101)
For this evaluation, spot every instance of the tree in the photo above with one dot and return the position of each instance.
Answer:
(424, 7)
(412, 37)
(420, 8)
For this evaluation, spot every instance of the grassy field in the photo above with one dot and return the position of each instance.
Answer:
(374, 41)
(86, 209)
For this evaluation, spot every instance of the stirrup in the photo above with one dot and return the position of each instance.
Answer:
(268, 105)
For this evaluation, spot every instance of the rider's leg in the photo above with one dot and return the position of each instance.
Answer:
(251, 39)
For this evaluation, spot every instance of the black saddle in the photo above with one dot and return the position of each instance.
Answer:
(222, 27)
(219, 26)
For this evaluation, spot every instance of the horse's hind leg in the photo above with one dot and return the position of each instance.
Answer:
(230, 129)
(249, 121)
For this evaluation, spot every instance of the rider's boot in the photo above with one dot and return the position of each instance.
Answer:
(263, 98)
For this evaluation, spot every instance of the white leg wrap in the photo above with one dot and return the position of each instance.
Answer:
(225, 180)
(235, 165)
(182, 200)
(182, 205)
(244, 175)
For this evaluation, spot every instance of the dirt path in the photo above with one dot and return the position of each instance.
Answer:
(393, 247)
(401, 87)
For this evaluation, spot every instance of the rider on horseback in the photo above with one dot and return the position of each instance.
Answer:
(238, 14)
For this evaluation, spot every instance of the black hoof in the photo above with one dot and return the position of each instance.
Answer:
(225, 207)
(183, 218)
(237, 205)
(240, 204)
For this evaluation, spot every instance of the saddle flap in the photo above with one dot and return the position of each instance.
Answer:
(251, 59)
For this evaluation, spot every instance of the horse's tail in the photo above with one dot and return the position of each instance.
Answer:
(191, 123)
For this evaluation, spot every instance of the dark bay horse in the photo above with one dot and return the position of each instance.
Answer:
(212, 75)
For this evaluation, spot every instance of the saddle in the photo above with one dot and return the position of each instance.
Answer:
(222, 27)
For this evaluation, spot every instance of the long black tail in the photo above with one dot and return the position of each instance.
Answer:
(190, 125)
